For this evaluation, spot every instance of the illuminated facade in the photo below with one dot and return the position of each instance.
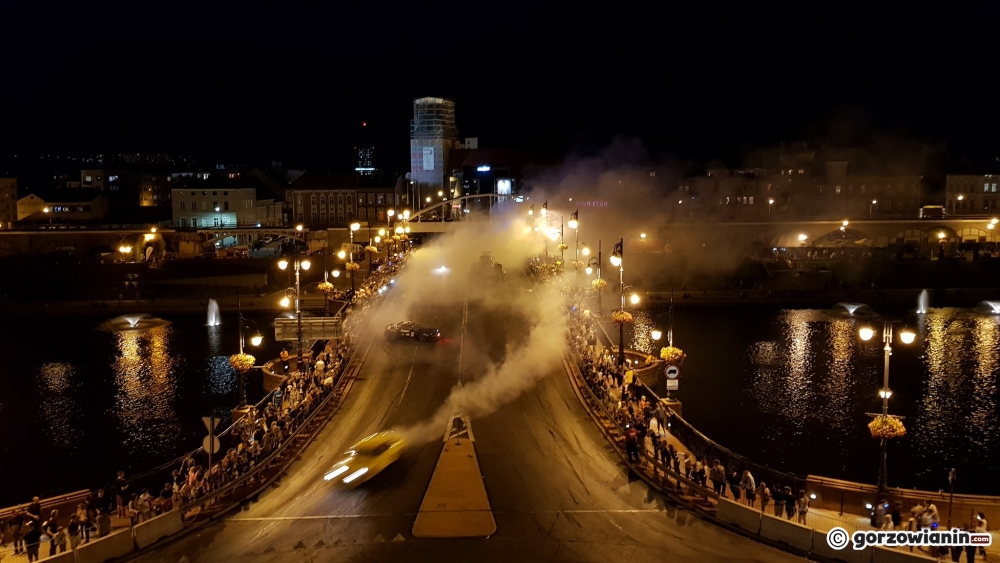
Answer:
(968, 195)
(433, 135)
(8, 202)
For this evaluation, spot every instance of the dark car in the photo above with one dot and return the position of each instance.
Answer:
(410, 329)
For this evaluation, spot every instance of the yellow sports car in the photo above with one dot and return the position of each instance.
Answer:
(366, 459)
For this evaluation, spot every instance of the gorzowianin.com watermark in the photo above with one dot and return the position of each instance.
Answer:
(838, 538)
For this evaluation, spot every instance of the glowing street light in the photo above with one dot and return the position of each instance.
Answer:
(634, 299)
(803, 237)
(655, 334)
(335, 273)
(906, 336)
(642, 236)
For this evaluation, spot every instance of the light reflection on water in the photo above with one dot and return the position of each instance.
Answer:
(146, 387)
(58, 405)
(956, 422)
(811, 382)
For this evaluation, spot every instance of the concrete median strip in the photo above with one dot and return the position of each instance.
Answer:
(455, 504)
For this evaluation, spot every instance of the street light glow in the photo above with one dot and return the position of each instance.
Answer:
(884, 393)
(573, 223)
(634, 299)
(866, 333)
(585, 251)
(615, 260)
(305, 264)
(341, 254)
(285, 302)
(993, 222)
(391, 212)
(656, 334)
(770, 201)
(283, 264)
(642, 236)
(355, 226)
(297, 227)
(256, 339)
(845, 222)
(907, 336)
(589, 270)
(941, 235)
(335, 273)
(961, 197)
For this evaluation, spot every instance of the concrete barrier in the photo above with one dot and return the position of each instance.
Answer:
(66, 557)
(848, 554)
(155, 529)
(787, 532)
(108, 547)
(738, 515)
(899, 555)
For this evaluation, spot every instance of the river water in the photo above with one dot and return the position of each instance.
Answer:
(78, 403)
(793, 389)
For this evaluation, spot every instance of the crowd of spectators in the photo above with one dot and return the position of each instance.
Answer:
(250, 441)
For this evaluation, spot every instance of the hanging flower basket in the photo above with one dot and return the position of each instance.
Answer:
(242, 362)
(404, 237)
(622, 318)
(563, 246)
(599, 283)
(352, 266)
(672, 355)
(371, 249)
(649, 359)
(576, 264)
(325, 287)
(885, 427)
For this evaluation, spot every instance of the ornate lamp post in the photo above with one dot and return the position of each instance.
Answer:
(885, 427)
(599, 282)
(285, 302)
(241, 362)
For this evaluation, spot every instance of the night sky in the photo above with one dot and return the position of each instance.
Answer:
(248, 81)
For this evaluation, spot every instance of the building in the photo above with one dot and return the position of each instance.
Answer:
(968, 195)
(107, 180)
(800, 184)
(320, 199)
(154, 188)
(433, 135)
(217, 202)
(63, 206)
(376, 195)
(8, 202)
(364, 161)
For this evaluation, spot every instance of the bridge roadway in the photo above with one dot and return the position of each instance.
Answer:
(557, 491)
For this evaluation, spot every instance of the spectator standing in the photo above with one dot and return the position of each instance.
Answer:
(749, 487)
(121, 493)
(632, 443)
(765, 495)
(802, 507)
(790, 503)
(73, 531)
(32, 537)
(734, 485)
(718, 477)
(51, 528)
(83, 518)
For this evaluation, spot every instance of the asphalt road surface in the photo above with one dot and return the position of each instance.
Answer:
(557, 490)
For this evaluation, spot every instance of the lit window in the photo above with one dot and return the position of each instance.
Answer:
(751, 200)
(837, 189)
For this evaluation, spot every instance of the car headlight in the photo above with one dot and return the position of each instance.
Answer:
(335, 473)
(356, 474)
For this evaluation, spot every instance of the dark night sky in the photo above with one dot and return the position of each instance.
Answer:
(249, 81)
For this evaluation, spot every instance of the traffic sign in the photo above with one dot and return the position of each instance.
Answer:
(211, 444)
(211, 423)
(672, 384)
(672, 372)
(459, 428)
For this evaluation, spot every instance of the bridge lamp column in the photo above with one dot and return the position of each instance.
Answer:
(299, 265)
(574, 223)
(354, 227)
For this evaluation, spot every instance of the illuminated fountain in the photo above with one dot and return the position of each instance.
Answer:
(133, 322)
(213, 313)
(989, 307)
(852, 310)
(922, 303)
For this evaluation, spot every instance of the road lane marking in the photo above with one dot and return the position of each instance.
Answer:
(411, 514)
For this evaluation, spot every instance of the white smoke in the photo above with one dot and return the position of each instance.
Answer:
(538, 348)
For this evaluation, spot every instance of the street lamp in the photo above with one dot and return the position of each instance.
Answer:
(354, 227)
(255, 339)
(299, 265)
(770, 202)
(574, 223)
(906, 336)
(874, 201)
(616, 260)
(48, 211)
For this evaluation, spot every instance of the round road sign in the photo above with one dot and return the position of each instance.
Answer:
(672, 372)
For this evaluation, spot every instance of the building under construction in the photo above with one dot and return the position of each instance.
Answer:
(433, 135)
